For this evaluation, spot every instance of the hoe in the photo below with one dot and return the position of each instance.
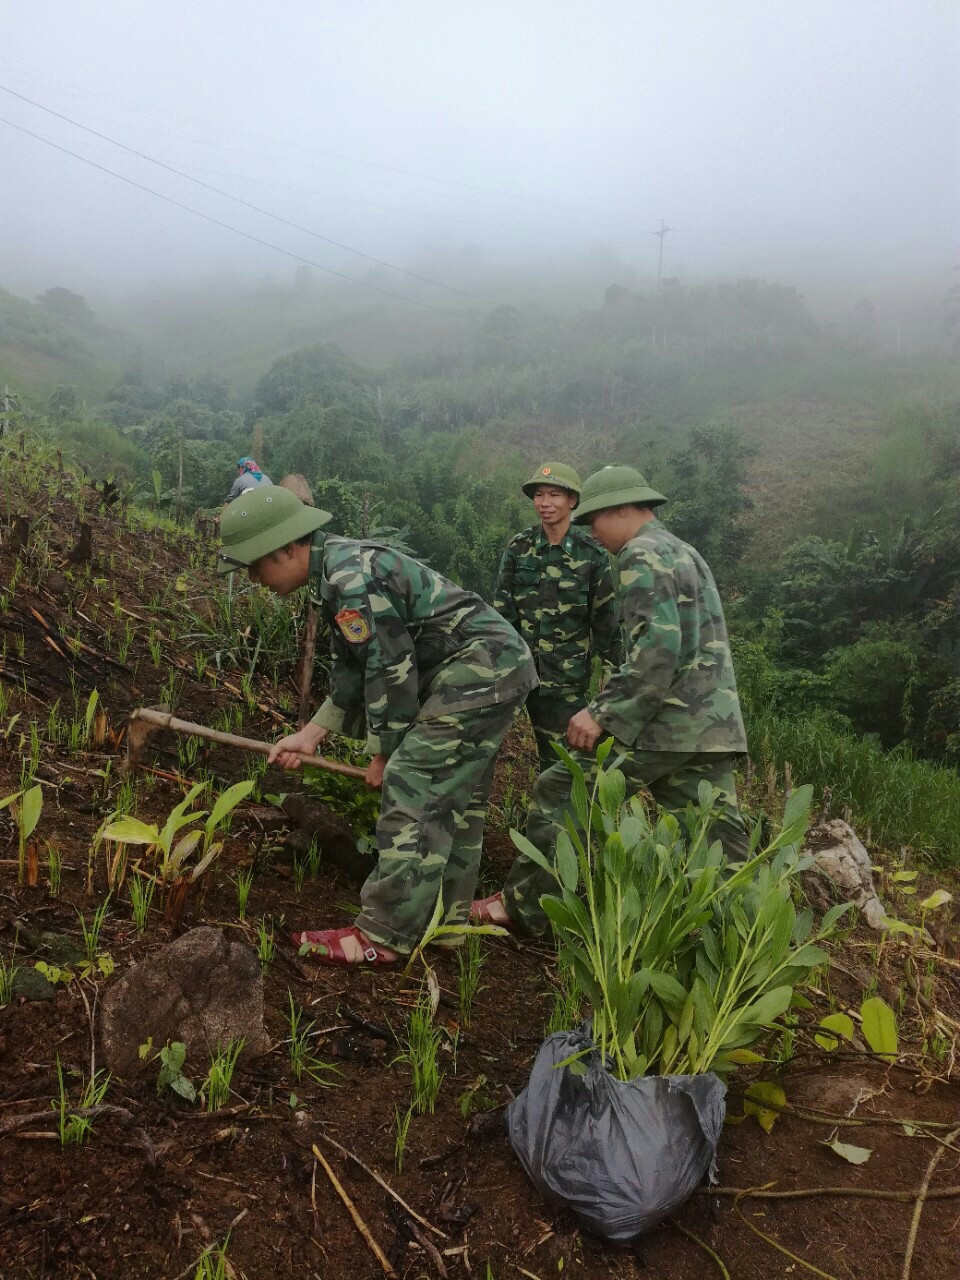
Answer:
(146, 720)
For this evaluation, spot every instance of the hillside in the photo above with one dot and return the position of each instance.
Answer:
(55, 342)
(159, 1179)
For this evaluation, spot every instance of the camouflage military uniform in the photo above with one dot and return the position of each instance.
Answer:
(433, 677)
(561, 599)
(672, 707)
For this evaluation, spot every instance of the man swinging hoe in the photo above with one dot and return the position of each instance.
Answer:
(428, 673)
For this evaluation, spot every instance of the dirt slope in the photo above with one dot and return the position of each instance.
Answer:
(142, 1198)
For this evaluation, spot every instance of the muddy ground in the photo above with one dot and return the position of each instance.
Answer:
(150, 1189)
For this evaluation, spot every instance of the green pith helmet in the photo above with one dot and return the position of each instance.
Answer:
(614, 487)
(557, 474)
(263, 520)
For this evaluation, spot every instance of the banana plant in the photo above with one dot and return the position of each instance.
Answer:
(27, 805)
(174, 852)
(685, 958)
(160, 839)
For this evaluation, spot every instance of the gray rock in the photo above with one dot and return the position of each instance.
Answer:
(839, 856)
(28, 984)
(204, 989)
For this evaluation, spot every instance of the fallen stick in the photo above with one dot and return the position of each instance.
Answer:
(428, 1247)
(13, 1123)
(52, 634)
(922, 1195)
(774, 1244)
(358, 1222)
(387, 1188)
(806, 1193)
(685, 1231)
(371, 1028)
(824, 1117)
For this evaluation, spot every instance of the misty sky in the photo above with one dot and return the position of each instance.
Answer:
(780, 138)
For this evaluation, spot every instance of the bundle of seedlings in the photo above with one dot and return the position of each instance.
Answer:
(685, 960)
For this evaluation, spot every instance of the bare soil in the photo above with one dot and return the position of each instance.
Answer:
(147, 1193)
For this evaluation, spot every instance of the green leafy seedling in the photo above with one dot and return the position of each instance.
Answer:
(879, 1026)
(834, 1027)
(28, 805)
(170, 1076)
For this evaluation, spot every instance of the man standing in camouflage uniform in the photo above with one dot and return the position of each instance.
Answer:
(555, 586)
(429, 673)
(672, 707)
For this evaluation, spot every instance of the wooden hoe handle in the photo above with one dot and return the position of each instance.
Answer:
(164, 720)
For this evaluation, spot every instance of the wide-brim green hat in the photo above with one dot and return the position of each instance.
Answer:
(614, 487)
(557, 474)
(263, 520)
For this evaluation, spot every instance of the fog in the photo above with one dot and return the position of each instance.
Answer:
(813, 143)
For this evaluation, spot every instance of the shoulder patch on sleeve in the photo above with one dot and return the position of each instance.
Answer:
(353, 625)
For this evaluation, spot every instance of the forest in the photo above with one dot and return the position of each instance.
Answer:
(816, 470)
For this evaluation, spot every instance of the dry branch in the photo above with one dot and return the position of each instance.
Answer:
(922, 1195)
(386, 1187)
(358, 1222)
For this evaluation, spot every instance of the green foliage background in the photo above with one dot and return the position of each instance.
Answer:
(817, 471)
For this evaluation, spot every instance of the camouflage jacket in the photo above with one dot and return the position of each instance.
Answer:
(562, 601)
(407, 643)
(676, 690)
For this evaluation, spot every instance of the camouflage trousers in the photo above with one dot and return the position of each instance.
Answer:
(550, 711)
(435, 790)
(671, 777)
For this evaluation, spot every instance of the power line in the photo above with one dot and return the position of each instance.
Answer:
(346, 199)
(239, 199)
(298, 257)
(595, 216)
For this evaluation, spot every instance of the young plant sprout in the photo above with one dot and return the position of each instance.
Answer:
(27, 806)
(91, 932)
(565, 1012)
(313, 859)
(401, 1127)
(142, 889)
(170, 1076)
(8, 976)
(302, 1061)
(201, 839)
(243, 882)
(74, 1129)
(216, 1087)
(469, 964)
(266, 947)
(422, 1053)
(213, 1264)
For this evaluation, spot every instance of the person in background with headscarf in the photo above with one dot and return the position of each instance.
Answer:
(249, 476)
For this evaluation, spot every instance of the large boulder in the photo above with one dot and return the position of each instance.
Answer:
(204, 989)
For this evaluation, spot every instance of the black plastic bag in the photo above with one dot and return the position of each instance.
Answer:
(621, 1155)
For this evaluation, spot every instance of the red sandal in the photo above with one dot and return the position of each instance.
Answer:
(326, 945)
(480, 912)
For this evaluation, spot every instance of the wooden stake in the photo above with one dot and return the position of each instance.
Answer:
(358, 1222)
(306, 665)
